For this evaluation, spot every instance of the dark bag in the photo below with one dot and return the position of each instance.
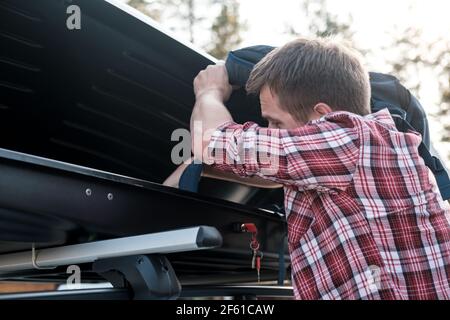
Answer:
(387, 92)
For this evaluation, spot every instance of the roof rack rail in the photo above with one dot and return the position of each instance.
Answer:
(191, 239)
(136, 264)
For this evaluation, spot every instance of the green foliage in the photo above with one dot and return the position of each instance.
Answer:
(148, 7)
(188, 16)
(226, 30)
(415, 57)
(321, 22)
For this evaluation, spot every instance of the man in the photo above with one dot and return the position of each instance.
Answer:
(365, 218)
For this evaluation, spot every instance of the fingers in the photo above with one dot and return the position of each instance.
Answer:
(213, 78)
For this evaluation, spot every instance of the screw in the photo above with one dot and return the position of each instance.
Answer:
(88, 192)
(110, 196)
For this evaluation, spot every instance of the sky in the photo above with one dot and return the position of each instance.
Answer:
(373, 20)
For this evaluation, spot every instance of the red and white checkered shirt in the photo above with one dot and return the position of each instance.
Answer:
(365, 218)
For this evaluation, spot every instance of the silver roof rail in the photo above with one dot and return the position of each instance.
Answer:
(191, 239)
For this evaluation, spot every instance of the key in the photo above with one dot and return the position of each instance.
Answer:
(259, 257)
(254, 245)
(254, 259)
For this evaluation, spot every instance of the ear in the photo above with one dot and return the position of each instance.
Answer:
(322, 109)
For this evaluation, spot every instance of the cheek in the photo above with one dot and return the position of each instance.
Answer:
(288, 121)
(292, 123)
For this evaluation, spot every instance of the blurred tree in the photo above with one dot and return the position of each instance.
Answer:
(186, 16)
(444, 110)
(183, 12)
(226, 30)
(415, 61)
(149, 7)
(191, 18)
(321, 22)
(412, 57)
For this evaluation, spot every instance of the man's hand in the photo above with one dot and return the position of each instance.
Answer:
(213, 80)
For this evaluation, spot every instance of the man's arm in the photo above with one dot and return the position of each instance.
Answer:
(318, 156)
(211, 90)
(174, 179)
(211, 172)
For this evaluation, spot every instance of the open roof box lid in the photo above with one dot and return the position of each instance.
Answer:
(90, 108)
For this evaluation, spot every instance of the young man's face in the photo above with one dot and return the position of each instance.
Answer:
(278, 118)
(273, 113)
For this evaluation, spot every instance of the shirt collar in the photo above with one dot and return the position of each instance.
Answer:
(383, 116)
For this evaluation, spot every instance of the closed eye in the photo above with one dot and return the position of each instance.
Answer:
(275, 125)
(272, 122)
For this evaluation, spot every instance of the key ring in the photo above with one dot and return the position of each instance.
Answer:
(254, 245)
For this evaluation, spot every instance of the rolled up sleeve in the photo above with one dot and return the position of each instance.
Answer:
(320, 155)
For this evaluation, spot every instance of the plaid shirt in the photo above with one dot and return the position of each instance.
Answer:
(365, 218)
